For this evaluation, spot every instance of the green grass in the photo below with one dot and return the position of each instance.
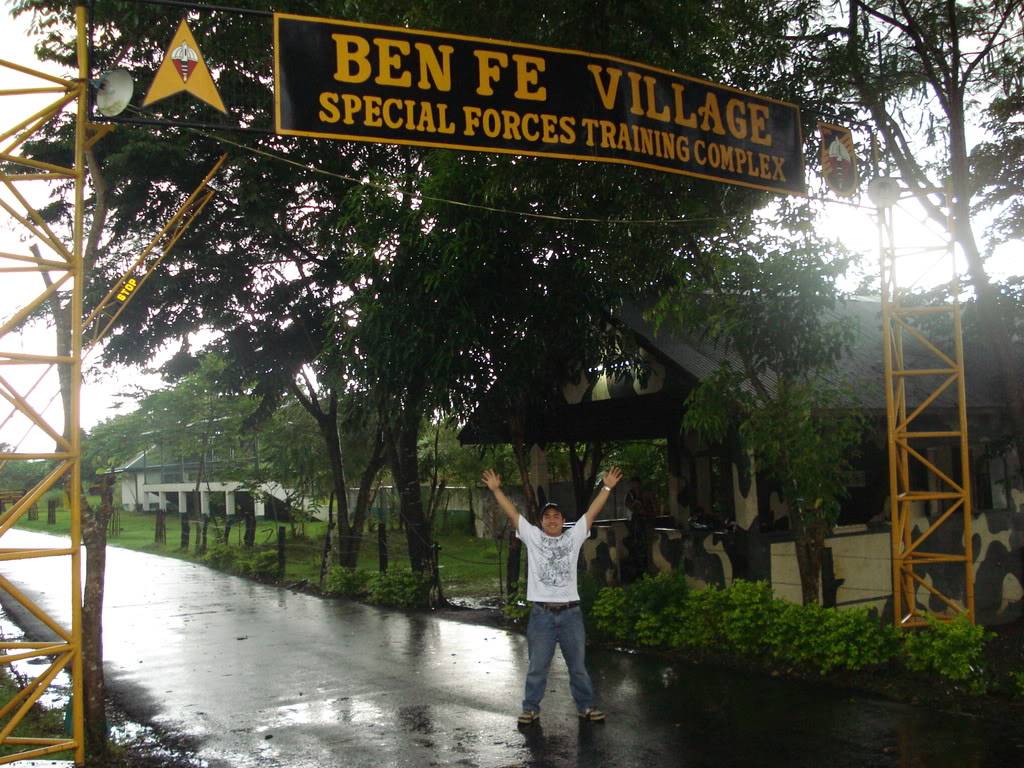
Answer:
(468, 565)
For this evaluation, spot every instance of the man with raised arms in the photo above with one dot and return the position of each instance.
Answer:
(555, 615)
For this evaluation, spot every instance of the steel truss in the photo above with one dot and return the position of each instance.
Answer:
(62, 273)
(924, 379)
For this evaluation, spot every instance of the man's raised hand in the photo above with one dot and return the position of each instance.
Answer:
(491, 479)
(612, 477)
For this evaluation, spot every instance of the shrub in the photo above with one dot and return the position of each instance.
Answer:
(952, 650)
(609, 614)
(645, 612)
(347, 582)
(697, 625)
(825, 639)
(516, 609)
(399, 589)
(747, 612)
(654, 604)
(1017, 684)
(260, 565)
(223, 557)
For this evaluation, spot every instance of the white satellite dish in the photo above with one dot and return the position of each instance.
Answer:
(113, 92)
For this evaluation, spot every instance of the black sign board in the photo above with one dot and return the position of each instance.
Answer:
(362, 82)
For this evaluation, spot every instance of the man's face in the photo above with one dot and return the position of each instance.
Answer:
(551, 521)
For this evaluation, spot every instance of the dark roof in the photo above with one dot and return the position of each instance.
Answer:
(860, 372)
(689, 358)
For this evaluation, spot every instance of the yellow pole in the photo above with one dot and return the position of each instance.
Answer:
(77, 666)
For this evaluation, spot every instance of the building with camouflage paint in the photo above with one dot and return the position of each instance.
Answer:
(723, 522)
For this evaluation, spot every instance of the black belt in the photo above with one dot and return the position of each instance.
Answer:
(557, 607)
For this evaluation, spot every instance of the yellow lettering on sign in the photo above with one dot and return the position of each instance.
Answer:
(606, 92)
(489, 66)
(736, 118)
(758, 118)
(329, 107)
(680, 117)
(528, 69)
(351, 51)
(433, 71)
(711, 115)
(389, 60)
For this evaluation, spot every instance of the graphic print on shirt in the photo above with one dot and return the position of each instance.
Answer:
(556, 561)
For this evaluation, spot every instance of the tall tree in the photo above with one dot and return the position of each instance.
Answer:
(930, 75)
(770, 311)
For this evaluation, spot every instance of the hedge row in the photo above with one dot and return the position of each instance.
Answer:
(746, 621)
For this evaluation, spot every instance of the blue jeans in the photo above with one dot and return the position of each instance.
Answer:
(565, 628)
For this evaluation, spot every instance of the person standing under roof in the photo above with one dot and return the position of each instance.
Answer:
(555, 615)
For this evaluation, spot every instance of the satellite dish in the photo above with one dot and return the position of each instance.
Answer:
(113, 92)
(884, 191)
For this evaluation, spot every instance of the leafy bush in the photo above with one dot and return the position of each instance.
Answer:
(746, 614)
(223, 557)
(698, 624)
(347, 582)
(260, 565)
(645, 612)
(824, 639)
(609, 614)
(951, 649)
(516, 609)
(399, 589)
(1017, 684)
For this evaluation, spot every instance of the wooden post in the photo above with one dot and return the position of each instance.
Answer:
(382, 546)
(281, 535)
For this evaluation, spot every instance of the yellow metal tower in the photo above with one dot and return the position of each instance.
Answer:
(924, 373)
(62, 267)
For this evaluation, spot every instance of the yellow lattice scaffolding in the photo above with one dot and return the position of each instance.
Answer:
(924, 379)
(62, 268)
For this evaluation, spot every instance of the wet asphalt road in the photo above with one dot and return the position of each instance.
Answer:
(260, 676)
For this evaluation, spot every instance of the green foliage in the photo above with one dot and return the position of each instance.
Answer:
(516, 609)
(747, 612)
(641, 612)
(261, 565)
(743, 619)
(399, 589)
(223, 557)
(824, 639)
(1017, 683)
(953, 650)
(347, 582)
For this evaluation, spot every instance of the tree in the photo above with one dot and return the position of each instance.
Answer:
(917, 70)
(770, 312)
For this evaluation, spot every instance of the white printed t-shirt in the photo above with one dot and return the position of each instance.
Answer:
(551, 576)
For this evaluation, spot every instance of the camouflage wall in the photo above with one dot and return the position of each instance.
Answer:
(857, 567)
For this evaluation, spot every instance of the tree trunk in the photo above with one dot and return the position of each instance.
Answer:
(584, 473)
(810, 546)
(249, 537)
(160, 531)
(402, 449)
(94, 536)
(350, 551)
(185, 530)
(325, 555)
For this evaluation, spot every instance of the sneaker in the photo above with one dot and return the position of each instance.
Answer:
(528, 716)
(591, 713)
